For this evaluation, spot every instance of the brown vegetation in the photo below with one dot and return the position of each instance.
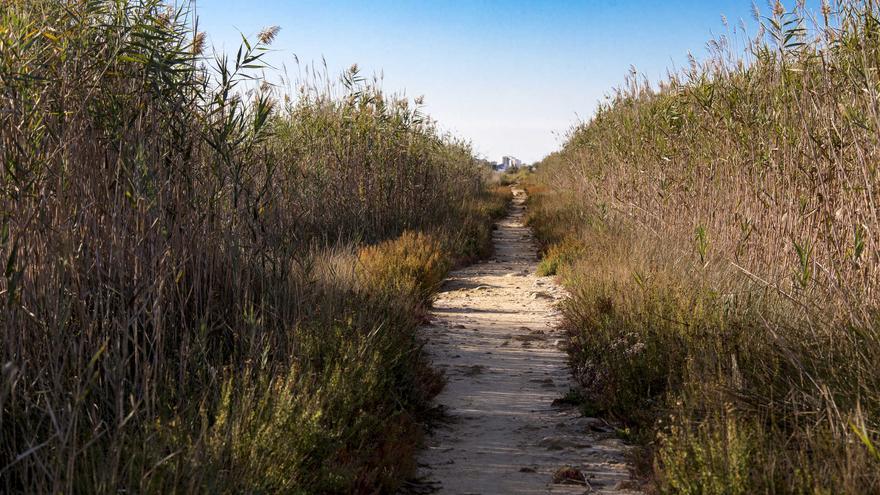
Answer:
(182, 245)
(724, 293)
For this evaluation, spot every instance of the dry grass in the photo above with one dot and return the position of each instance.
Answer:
(413, 264)
(559, 256)
(726, 299)
(181, 305)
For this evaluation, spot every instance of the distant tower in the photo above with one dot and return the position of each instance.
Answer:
(510, 161)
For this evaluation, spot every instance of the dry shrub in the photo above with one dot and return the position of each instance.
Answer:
(568, 475)
(413, 264)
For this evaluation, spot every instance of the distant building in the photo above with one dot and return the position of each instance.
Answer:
(508, 162)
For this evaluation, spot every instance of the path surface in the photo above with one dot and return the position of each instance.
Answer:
(493, 336)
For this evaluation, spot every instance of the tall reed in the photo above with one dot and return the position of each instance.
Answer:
(180, 305)
(725, 298)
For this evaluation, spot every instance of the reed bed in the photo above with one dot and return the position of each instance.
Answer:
(719, 233)
(189, 299)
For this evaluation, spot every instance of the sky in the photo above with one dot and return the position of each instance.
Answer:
(511, 76)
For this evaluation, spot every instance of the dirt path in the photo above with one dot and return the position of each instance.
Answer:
(493, 336)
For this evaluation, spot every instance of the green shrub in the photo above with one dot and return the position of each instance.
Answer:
(560, 255)
(713, 457)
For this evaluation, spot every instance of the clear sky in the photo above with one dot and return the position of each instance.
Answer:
(510, 75)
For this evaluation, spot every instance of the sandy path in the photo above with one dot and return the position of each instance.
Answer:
(493, 336)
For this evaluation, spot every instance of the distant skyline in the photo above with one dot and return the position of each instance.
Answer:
(510, 75)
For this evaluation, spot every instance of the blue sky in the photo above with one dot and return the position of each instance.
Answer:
(510, 75)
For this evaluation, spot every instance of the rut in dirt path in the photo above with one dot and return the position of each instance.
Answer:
(493, 336)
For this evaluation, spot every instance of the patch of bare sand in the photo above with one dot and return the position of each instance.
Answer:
(494, 337)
